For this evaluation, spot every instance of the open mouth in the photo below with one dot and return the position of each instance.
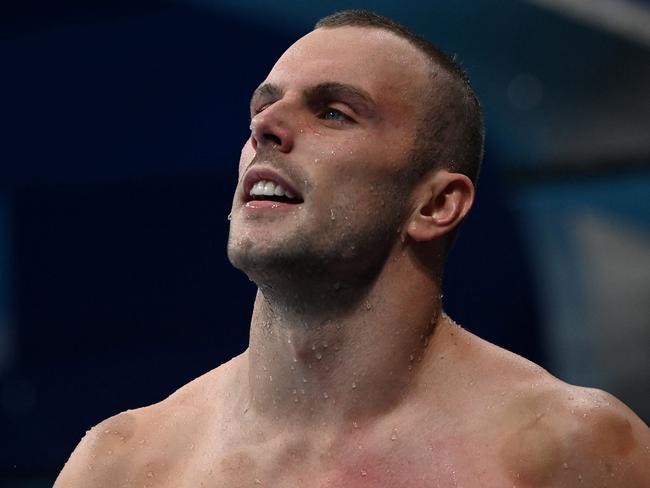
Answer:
(266, 188)
(272, 191)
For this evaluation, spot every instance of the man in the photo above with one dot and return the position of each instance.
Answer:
(364, 149)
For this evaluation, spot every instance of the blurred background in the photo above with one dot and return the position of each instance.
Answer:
(121, 126)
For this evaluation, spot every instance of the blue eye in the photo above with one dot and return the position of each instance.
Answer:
(333, 114)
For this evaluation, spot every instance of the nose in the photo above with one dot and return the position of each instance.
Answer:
(271, 128)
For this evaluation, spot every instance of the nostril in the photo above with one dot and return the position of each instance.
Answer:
(273, 138)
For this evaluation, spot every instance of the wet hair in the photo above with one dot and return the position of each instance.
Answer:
(451, 134)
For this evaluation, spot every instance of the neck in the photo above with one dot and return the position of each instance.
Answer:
(311, 360)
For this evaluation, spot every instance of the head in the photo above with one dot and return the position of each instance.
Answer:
(377, 136)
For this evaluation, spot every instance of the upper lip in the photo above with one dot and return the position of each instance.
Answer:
(257, 174)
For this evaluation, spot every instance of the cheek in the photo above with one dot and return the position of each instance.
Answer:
(247, 154)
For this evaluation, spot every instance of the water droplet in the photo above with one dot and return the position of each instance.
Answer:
(580, 478)
(355, 424)
(230, 216)
(332, 215)
(296, 399)
(354, 385)
(364, 472)
(565, 465)
(324, 345)
(325, 395)
(150, 474)
(313, 347)
(368, 305)
(292, 367)
(393, 436)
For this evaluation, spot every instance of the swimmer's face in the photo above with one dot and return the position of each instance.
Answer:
(333, 124)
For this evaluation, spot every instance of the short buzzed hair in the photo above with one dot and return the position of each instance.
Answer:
(452, 133)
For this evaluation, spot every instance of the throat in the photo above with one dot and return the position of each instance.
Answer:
(306, 370)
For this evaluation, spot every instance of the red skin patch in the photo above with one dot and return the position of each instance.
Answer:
(425, 469)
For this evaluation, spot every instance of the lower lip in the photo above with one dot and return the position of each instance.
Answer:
(269, 205)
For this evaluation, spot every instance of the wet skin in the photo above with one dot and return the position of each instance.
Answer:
(354, 376)
(507, 423)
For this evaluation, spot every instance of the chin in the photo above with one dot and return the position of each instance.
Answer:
(343, 250)
(256, 259)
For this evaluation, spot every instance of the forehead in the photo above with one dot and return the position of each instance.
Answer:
(383, 64)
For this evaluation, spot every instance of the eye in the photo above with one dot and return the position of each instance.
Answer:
(257, 110)
(260, 108)
(335, 115)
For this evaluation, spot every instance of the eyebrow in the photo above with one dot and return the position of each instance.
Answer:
(325, 92)
(266, 91)
(320, 93)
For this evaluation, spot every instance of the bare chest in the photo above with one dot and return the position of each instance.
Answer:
(373, 462)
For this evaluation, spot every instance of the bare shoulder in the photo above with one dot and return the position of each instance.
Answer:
(604, 440)
(131, 448)
(550, 433)
(100, 457)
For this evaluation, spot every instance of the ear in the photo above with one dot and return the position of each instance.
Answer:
(444, 200)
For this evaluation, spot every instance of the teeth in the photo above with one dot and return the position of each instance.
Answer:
(268, 188)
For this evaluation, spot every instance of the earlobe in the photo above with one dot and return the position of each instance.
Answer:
(444, 203)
